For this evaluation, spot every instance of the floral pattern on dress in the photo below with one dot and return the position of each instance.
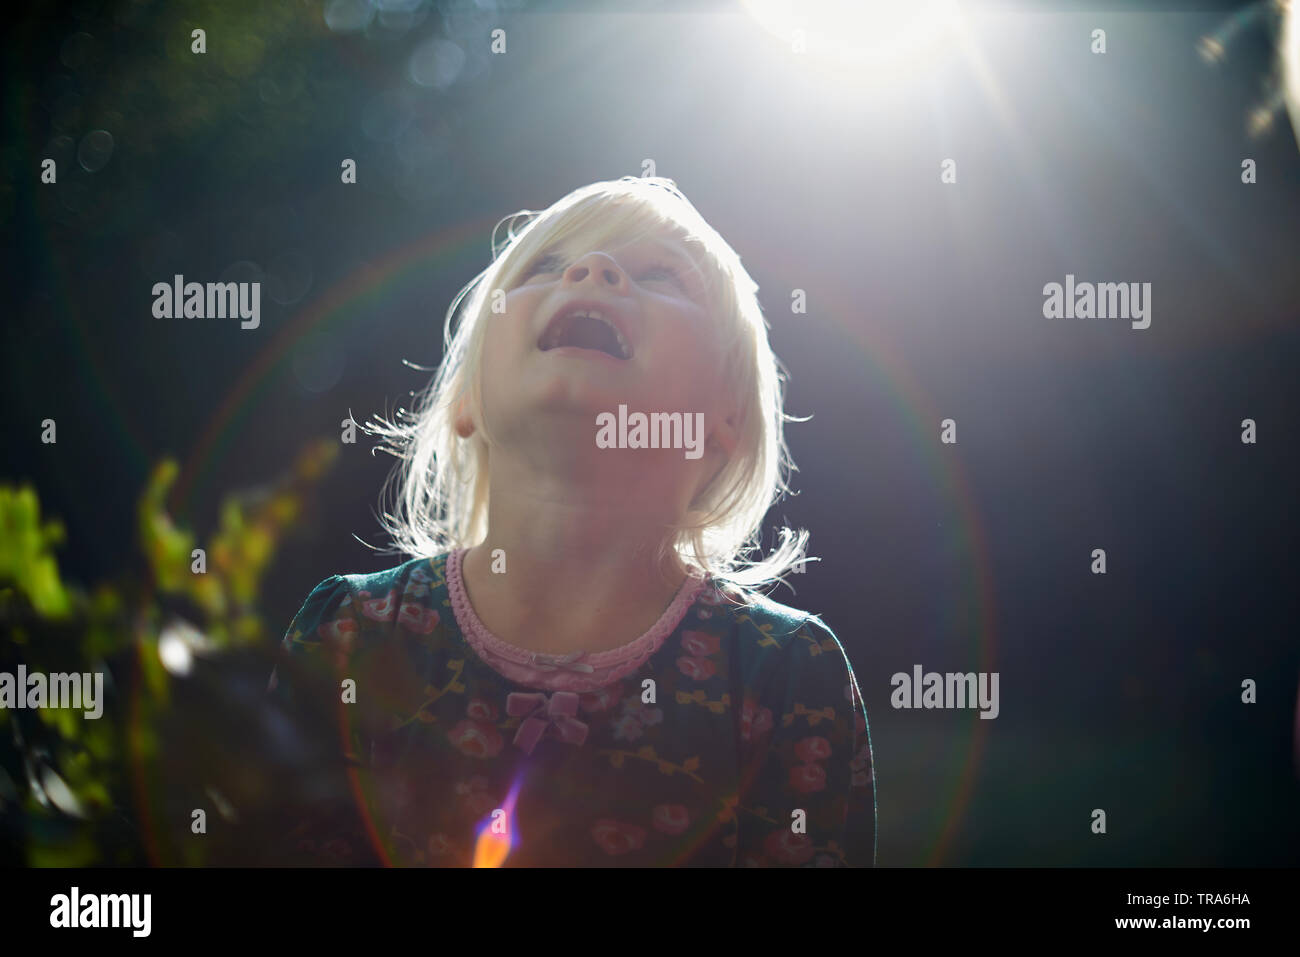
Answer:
(741, 741)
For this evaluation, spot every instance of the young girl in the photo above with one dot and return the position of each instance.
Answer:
(576, 670)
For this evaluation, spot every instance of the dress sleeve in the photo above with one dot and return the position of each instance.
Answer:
(321, 634)
(808, 793)
(319, 823)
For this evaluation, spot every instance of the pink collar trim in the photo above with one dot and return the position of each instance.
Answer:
(580, 671)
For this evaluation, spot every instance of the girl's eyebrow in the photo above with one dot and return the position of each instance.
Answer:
(677, 251)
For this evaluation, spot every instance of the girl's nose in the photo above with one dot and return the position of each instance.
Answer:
(600, 268)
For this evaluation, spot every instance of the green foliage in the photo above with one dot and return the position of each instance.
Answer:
(80, 789)
(27, 552)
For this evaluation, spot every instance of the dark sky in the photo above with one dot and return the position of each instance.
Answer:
(925, 303)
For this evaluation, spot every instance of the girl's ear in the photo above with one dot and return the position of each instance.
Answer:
(463, 421)
(725, 436)
(727, 432)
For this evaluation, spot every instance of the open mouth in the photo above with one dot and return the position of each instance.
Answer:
(585, 328)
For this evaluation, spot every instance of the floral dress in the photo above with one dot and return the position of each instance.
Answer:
(732, 733)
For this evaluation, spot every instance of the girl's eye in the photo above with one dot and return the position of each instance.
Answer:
(550, 263)
(554, 263)
(667, 271)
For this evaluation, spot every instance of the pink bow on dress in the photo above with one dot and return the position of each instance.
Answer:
(541, 713)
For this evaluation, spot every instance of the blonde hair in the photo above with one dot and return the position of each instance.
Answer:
(440, 486)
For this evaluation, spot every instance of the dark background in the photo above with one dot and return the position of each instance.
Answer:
(1119, 692)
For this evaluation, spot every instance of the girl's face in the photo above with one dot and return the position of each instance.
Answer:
(665, 357)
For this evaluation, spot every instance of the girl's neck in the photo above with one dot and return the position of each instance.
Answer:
(560, 602)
